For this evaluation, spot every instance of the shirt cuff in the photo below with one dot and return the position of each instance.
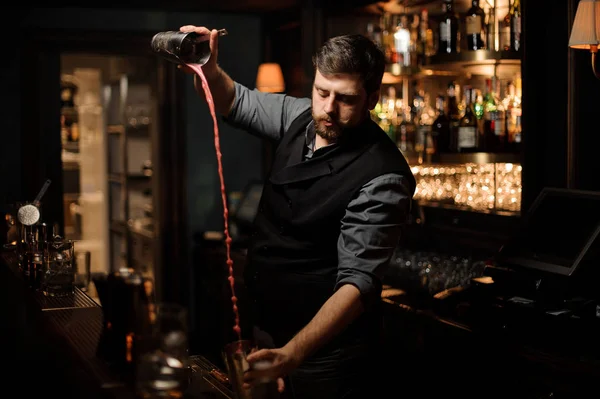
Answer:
(370, 288)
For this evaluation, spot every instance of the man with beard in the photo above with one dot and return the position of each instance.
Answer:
(330, 217)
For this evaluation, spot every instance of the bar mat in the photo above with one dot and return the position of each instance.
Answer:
(78, 300)
(82, 328)
(218, 380)
(9, 257)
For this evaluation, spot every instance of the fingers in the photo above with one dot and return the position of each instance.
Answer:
(213, 41)
(201, 30)
(214, 45)
(249, 381)
(261, 354)
(280, 385)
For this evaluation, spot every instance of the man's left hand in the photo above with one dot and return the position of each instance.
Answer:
(279, 362)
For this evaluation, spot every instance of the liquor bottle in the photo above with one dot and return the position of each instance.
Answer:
(402, 42)
(504, 26)
(426, 48)
(387, 38)
(413, 46)
(519, 112)
(515, 27)
(493, 116)
(448, 34)
(441, 134)
(424, 143)
(475, 27)
(512, 105)
(491, 41)
(510, 37)
(454, 115)
(407, 135)
(468, 137)
(374, 33)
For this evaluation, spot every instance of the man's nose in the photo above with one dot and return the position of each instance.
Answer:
(329, 107)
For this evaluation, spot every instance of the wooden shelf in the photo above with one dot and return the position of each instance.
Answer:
(116, 178)
(72, 146)
(142, 231)
(138, 176)
(399, 70)
(115, 129)
(136, 130)
(480, 62)
(70, 165)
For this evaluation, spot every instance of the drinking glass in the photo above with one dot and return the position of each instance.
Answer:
(58, 279)
(164, 369)
(234, 355)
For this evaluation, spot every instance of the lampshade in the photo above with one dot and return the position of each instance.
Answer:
(270, 78)
(586, 27)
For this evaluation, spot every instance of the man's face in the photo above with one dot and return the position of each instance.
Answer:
(338, 102)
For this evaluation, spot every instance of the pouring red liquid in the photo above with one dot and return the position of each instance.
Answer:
(197, 68)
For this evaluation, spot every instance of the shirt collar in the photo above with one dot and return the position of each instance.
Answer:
(310, 135)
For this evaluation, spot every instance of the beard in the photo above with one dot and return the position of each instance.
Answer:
(336, 130)
(329, 133)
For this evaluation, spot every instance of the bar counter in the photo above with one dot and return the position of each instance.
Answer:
(438, 348)
(445, 349)
(50, 346)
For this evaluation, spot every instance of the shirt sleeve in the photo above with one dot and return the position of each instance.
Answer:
(266, 115)
(370, 232)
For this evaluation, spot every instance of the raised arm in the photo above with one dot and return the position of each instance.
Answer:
(266, 115)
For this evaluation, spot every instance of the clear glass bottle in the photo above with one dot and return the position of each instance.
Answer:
(468, 137)
(402, 42)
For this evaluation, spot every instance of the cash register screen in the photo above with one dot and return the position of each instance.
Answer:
(558, 230)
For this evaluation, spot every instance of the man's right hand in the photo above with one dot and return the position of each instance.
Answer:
(220, 84)
(210, 69)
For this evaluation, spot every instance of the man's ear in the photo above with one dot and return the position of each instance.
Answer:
(373, 99)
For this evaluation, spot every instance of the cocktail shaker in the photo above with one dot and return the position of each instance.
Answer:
(183, 47)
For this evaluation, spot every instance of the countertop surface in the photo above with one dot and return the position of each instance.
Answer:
(68, 330)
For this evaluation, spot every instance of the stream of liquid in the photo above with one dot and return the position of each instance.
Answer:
(211, 105)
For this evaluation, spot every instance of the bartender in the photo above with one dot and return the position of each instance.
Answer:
(331, 215)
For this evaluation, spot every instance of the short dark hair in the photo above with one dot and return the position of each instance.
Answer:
(352, 54)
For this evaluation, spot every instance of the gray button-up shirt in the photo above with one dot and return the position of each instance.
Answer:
(372, 224)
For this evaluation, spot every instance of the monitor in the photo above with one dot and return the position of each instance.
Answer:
(557, 232)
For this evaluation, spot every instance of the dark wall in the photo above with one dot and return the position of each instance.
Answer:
(560, 104)
(585, 104)
(240, 54)
(10, 98)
